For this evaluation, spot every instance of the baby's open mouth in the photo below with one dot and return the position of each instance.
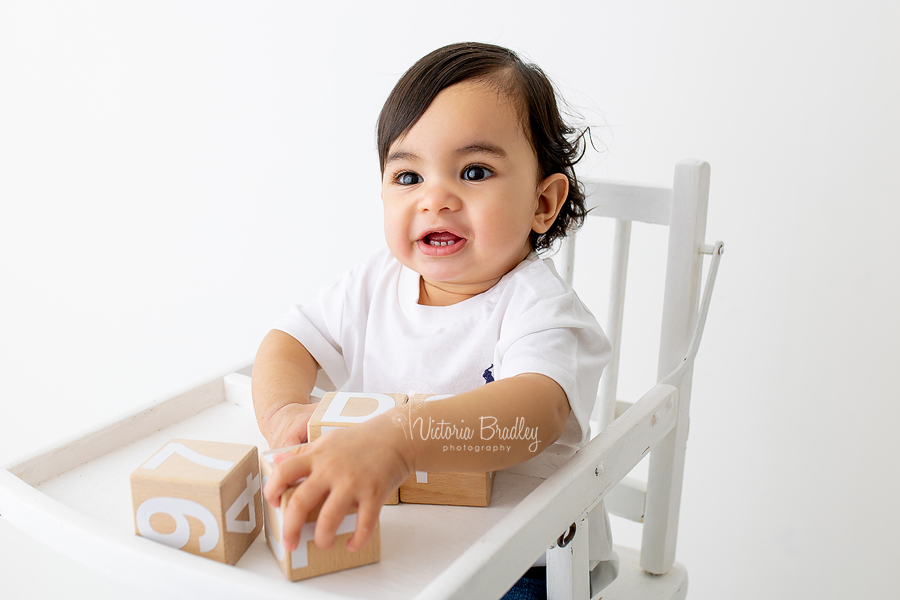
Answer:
(441, 238)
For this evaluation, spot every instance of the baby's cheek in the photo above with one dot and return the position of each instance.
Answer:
(396, 236)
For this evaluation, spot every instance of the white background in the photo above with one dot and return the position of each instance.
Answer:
(174, 175)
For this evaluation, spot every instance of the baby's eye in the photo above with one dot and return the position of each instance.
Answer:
(408, 178)
(476, 173)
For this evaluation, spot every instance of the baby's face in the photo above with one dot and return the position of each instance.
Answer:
(460, 193)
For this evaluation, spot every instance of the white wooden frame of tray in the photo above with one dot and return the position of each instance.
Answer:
(76, 498)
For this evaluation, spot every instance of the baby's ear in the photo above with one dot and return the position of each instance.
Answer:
(552, 194)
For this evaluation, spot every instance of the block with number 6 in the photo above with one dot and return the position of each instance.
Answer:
(201, 497)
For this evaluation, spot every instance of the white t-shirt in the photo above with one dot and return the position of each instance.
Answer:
(369, 334)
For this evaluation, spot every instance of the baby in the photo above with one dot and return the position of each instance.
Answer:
(477, 177)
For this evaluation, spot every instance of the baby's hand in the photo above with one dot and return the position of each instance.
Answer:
(357, 467)
(287, 426)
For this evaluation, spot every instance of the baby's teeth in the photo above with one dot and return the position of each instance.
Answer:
(436, 243)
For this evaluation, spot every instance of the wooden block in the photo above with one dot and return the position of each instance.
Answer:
(308, 560)
(201, 497)
(455, 489)
(345, 409)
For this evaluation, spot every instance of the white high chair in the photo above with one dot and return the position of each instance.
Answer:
(75, 496)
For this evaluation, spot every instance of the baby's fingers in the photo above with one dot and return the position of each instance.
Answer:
(298, 506)
(332, 519)
(366, 522)
(288, 472)
(280, 457)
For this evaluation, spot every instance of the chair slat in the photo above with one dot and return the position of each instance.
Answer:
(621, 407)
(680, 307)
(627, 499)
(568, 573)
(604, 410)
(628, 202)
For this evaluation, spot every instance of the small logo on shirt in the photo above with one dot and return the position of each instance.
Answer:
(488, 374)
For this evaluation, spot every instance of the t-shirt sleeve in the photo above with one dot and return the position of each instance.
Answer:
(318, 329)
(559, 338)
(329, 327)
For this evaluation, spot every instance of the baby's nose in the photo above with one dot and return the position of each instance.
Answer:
(437, 197)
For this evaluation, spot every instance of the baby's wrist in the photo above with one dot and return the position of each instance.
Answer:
(396, 434)
(278, 412)
(273, 416)
(277, 421)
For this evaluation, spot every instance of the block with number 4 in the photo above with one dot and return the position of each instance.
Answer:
(345, 409)
(455, 489)
(308, 560)
(201, 497)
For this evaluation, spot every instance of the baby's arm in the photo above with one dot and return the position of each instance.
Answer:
(530, 407)
(362, 465)
(284, 374)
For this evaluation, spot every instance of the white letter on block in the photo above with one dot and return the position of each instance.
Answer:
(245, 499)
(277, 547)
(334, 410)
(300, 557)
(195, 457)
(179, 509)
(438, 397)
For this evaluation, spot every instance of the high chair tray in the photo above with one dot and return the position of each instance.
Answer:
(76, 498)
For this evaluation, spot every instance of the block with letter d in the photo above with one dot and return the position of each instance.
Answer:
(345, 409)
(201, 497)
(308, 560)
(454, 489)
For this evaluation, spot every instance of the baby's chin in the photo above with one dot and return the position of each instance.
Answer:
(459, 288)
(459, 271)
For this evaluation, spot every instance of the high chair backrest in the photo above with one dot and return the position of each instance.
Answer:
(683, 209)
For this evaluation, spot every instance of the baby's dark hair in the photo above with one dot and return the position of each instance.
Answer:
(557, 145)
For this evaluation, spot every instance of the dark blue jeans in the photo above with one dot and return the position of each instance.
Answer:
(532, 586)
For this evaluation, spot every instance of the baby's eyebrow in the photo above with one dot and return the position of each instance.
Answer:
(482, 148)
(400, 155)
(473, 148)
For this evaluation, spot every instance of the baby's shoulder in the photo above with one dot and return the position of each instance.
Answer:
(535, 279)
